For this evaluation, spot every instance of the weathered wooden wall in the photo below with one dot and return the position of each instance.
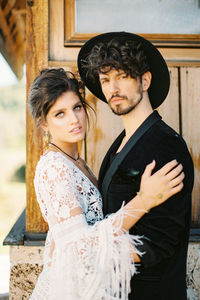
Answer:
(180, 110)
(190, 95)
(169, 110)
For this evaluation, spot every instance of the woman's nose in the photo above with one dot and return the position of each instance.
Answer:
(73, 118)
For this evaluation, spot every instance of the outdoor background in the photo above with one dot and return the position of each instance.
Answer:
(12, 159)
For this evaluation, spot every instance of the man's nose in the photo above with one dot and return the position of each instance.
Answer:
(114, 88)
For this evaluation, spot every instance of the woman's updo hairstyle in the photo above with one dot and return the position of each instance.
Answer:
(47, 87)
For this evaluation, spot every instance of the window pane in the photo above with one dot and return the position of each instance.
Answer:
(139, 16)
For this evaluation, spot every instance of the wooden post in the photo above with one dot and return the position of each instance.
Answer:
(36, 59)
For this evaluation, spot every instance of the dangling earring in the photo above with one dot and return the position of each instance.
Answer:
(46, 139)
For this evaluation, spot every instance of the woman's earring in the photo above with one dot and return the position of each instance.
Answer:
(46, 139)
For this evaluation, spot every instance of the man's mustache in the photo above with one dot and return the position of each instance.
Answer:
(117, 96)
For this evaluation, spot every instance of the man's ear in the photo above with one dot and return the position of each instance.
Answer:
(146, 81)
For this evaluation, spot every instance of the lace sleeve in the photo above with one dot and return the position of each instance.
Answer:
(56, 190)
(90, 262)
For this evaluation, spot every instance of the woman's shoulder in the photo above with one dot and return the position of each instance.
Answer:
(52, 160)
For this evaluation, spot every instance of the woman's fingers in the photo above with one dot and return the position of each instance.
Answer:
(174, 182)
(149, 168)
(176, 185)
(177, 189)
(175, 172)
(163, 184)
(168, 167)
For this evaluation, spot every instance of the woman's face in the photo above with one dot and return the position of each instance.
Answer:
(66, 120)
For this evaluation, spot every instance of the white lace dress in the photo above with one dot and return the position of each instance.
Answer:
(86, 257)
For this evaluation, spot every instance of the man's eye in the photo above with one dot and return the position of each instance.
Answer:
(104, 81)
(123, 76)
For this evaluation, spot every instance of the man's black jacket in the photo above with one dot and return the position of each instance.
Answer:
(165, 229)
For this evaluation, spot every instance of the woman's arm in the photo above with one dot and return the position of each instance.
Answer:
(98, 257)
(154, 190)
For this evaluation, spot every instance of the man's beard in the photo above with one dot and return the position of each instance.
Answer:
(120, 111)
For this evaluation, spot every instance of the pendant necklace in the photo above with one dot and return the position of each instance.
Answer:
(75, 159)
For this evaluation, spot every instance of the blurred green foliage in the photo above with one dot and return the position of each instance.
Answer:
(12, 156)
(19, 174)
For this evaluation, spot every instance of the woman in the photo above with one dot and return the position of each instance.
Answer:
(86, 256)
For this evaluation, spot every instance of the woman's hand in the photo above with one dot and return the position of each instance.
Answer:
(157, 188)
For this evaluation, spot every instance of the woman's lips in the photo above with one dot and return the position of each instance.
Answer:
(76, 130)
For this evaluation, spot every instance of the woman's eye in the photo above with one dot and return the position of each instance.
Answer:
(60, 114)
(78, 107)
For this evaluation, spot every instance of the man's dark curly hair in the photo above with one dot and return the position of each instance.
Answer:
(125, 55)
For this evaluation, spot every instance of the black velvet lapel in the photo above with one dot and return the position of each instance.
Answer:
(150, 121)
(113, 148)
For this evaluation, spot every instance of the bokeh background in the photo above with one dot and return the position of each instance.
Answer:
(12, 159)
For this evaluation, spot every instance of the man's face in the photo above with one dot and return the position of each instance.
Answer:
(123, 93)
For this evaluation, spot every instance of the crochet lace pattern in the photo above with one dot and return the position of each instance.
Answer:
(86, 256)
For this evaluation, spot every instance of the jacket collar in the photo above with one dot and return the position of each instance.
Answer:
(106, 174)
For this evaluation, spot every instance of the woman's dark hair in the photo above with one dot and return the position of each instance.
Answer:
(47, 87)
(120, 55)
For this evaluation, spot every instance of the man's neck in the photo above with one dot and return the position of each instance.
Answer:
(136, 117)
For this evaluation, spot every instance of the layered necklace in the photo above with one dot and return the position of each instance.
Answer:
(75, 159)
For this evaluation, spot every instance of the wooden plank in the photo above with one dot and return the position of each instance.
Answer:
(182, 63)
(181, 55)
(19, 12)
(104, 129)
(36, 59)
(191, 128)
(56, 8)
(6, 32)
(14, 49)
(68, 65)
(169, 110)
(9, 5)
(69, 17)
(57, 50)
(21, 32)
(78, 39)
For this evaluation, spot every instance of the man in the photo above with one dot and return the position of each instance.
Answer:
(129, 73)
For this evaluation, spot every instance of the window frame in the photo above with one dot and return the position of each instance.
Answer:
(73, 38)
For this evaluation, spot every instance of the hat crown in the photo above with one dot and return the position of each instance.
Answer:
(160, 83)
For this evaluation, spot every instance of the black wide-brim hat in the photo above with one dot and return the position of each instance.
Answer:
(160, 82)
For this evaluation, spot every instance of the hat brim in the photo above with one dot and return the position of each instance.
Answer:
(160, 82)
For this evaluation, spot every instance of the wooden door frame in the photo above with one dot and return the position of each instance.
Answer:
(36, 59)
